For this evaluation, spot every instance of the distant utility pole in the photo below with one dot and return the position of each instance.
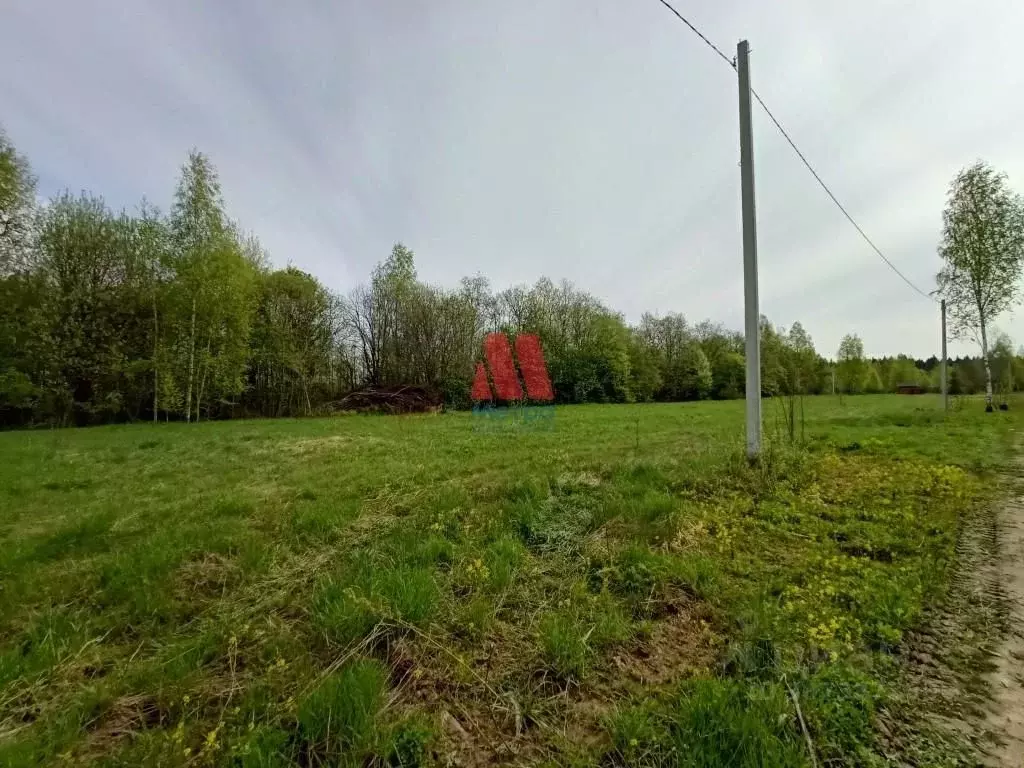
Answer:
(753, 315)
(945, 383)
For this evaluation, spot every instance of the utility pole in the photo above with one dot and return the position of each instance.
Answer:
(752, 313)
(945, 383)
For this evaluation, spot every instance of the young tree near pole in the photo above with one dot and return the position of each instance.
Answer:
(1002, 365)
(852, 365)
(983, 253)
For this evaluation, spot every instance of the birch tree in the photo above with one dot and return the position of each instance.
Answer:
(982, 251)
(17, 207)
(146, 245)
(852, 368)
(292, 343)
(197, 228)
(214, 290)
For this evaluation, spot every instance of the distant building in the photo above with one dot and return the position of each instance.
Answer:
(909, 389)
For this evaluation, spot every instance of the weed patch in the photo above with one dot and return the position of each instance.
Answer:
(340, 717)
(348, 607)
(711, 723)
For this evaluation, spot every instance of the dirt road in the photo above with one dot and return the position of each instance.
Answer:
(1006, 720)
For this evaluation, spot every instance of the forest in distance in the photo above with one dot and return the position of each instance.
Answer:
(114, 316)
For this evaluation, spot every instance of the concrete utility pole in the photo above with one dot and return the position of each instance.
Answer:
(752, 312)
(945, 384)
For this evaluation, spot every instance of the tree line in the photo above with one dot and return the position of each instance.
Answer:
(114, 316)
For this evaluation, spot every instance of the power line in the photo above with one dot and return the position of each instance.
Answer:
(828, 192)
(698, 33)
(799, 154)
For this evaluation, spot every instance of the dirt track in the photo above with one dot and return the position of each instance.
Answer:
(1006, 720)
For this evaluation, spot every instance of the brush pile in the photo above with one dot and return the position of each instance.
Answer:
(402, 399)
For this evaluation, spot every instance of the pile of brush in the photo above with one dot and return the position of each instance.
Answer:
(402, 399)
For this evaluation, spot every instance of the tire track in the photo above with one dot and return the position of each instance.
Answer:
(1005, 719)
(945, 711)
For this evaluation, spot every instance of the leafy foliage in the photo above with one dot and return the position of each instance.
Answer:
(108, 316)
(17, 208)
(983, 253)
(852, 369)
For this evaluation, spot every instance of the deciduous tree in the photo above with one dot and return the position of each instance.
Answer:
(215, 290)
(17, 207)
(852, 367)
(982, 251)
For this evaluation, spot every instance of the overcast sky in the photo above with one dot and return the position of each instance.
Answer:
(594, 140)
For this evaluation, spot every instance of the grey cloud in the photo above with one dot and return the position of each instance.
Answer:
(584, 139)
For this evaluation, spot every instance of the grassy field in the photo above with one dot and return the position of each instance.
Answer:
(621, 590)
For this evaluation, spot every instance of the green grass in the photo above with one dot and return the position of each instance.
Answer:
(711, 723)
(621, 590)
(338, 719)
